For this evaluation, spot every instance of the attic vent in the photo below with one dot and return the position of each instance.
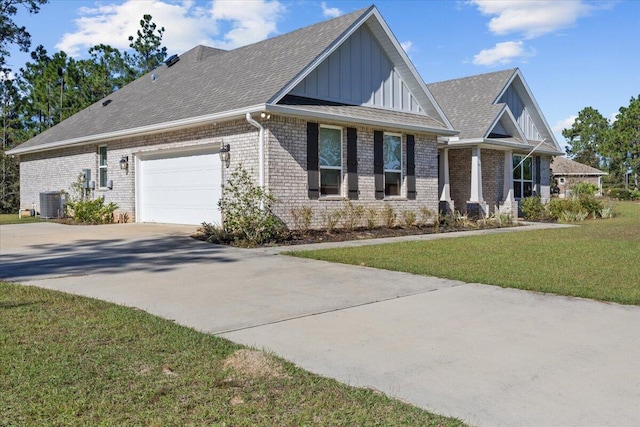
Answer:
(154, 77)
(172, 60)
(106, 102)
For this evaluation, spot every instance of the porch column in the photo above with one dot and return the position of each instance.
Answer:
(476, 205)
(509, 202)
(446, 204)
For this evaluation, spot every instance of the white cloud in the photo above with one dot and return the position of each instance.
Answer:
(407, 46)
(613, 117)
(330, 12)
(563, 124)
(7, 76)
(503, 53)
(187, 23)
(531, 18)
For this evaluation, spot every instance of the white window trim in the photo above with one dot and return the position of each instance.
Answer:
(385, 170)
(520, 181)
(340, 168)
(105, 167)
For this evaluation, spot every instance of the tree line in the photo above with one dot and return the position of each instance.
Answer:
(52, 87)
(612, 147)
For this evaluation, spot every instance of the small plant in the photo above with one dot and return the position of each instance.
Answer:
(330, 219)
(215, 233)
(302, 218)
(372, 218)
(573, 216)
(408, 218)
(91, 211)
(246, 210)
(591, 205)
(607, 211)
(584, 188)
(426, 215)
(533, 209)
(351, 215)
(388, 216)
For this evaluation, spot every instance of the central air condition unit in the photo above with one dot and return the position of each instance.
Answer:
(51, 204)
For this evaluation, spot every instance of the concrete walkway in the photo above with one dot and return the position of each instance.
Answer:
(490, 356)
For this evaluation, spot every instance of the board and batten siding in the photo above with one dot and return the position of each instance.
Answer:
(359, 73)
(525, 121)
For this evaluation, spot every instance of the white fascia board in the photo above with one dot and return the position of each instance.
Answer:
(496, 144)
(319, 115)
(585, 174)
(407, 65)
(506, 110)
(332, 48)
(143, 130)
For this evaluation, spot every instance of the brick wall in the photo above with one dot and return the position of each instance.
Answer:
(492, 177)
(287, 175)
(460, 177)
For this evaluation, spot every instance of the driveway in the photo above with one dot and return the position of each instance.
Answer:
(490, 356)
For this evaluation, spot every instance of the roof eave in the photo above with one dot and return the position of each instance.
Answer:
(319, 115)
(505, 145)
(142, 130)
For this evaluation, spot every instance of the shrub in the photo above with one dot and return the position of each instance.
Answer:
(584, 188)
(426, 215)
(532, 208)
(388, 216)
(215, 233)
(623, 194)
(591, 205)
(558, 206)
(351, 215)
(302, 218)
(330, 219)
(408, 218)
(246, 210)
(372, 218)
(91, 211)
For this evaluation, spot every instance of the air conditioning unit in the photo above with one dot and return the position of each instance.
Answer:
(52, 204)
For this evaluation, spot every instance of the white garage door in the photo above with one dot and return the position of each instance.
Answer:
(179, 189)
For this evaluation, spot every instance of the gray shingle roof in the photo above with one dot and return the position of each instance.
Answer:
(468, 102)
(564, 166)
(205, 81)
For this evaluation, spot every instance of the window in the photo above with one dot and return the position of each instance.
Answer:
(392, 156)
(330, 153)
(522, 177)
(102, 166)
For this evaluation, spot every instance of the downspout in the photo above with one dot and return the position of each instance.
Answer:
(260, 149)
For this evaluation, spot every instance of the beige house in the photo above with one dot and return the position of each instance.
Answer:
(566, 173)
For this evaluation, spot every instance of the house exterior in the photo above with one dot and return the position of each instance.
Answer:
(504, 149)
(325, 114)
(331, 113)
(566, 173)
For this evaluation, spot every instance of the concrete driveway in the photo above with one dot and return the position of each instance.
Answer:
(490, 356)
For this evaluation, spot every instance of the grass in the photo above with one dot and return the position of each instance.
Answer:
(13, 219)
(598, 260)
(70, 360)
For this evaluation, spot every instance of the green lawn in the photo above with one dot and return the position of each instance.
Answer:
(598, 260)
(69, 360)
(13, 219)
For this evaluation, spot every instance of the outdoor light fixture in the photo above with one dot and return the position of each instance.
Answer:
(124, 163)
(225, 155)
(265, 115)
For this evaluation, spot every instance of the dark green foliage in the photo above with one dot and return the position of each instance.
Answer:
(591, 205)
(533, 209)
(622, 194)
(10, 32)
(246, 210)
(149, 52)
(558, 206)
(586, 135)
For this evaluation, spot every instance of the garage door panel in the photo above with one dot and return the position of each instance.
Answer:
(181, 189)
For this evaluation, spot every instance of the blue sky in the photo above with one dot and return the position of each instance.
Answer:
(573, 53)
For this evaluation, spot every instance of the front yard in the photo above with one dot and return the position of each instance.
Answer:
(600, 259)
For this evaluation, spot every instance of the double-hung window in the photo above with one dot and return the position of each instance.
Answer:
(522, 177)
(392, 156)
(102, 166)
(330, 154)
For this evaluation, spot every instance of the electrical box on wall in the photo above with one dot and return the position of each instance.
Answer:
(86, 177)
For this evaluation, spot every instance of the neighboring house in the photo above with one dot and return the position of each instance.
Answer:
(331, 112)
(504, 149)
(567, 173)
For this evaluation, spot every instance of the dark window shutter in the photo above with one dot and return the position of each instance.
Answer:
(411, 167)
(538, 174)
(378, 163)
(312, 160)
(352, 163)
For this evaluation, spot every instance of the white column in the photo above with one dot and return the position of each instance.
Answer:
(476, 176)
(445, 190)
(508, 177)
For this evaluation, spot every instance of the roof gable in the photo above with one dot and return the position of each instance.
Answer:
(563, 166)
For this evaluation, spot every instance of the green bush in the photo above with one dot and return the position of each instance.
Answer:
(532, 208)
(246, 210)
(584, 188)
(557, 207)
(592, 206)
(351, 216)
(623, 194)
(91, 211)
